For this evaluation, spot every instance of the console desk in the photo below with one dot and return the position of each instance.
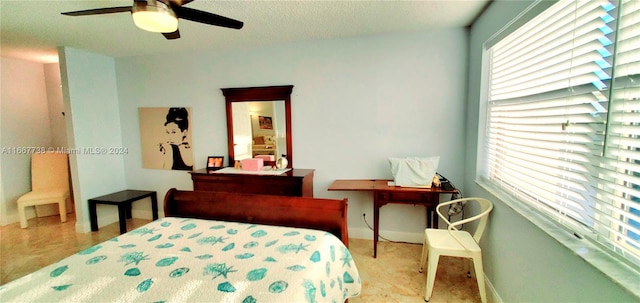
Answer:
(295, 182)
(385, 194)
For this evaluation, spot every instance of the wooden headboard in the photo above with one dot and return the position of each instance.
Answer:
(322, 214)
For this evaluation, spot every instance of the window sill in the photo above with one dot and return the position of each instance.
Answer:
(621, 274)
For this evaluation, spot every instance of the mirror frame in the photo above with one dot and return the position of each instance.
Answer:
(264, 93)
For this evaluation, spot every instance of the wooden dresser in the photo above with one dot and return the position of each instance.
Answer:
(296, 182)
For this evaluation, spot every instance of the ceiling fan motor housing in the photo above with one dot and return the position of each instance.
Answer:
(154, 16)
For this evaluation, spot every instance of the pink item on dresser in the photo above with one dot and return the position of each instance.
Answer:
(266, 157)
(253, 164)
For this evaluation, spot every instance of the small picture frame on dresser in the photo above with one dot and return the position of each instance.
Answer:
(214, 162)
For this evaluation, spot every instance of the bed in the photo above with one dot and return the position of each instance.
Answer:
(211, 247)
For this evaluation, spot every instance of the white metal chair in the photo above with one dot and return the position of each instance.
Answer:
(455, 243)
(49, 184)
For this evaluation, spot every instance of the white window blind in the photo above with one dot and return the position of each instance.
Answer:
(563, 119)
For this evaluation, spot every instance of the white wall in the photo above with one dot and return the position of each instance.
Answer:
(355, 103)
(522, 262)
(24, 123)
(91, 102)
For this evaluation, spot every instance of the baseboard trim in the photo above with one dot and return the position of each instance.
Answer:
(367, 234)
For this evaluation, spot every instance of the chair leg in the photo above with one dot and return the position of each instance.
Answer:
(23, 217)
(423, 257)
(432, 268)
(477, 264)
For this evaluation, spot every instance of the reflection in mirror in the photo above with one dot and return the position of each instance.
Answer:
(259, 129)
(259, 122)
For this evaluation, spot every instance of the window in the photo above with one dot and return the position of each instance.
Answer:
(563, 120)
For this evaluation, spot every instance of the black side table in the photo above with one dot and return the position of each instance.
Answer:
(123, 200)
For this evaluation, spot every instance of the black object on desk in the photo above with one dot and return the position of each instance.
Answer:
(123, 200)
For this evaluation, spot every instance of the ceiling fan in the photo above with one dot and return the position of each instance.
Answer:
(162, 16)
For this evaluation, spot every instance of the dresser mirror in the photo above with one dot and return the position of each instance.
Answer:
(259, 122)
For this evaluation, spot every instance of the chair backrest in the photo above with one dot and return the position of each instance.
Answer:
(485, 208)
(49, 170)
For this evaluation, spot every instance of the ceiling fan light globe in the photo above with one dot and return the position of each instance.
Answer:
(155, 17)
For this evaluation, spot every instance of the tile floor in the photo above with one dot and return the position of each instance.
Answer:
(391, 277)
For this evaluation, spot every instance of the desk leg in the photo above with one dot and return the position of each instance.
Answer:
(376, 223)
(436, 201)
(122, 215)
(154, 206)
(93, 216)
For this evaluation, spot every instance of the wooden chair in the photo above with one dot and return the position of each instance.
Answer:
(49, 184)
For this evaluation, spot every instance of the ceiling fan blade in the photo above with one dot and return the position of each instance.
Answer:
(100, 11)
(171, 36)
(207, 18)
(180, 2)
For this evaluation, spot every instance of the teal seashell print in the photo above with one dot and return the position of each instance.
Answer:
(95, 260)
(328, 268)
(315, 257)
(296, 268)
(211, 240)
(145, 285)
(166, 261)
(249, 299)
(256, 274)
(292, 248)
(114, 239)
(132, 272)
(230, 246)
(179, 272)
(251, 244)
(258, 233)
(195, 235)
(332, 249)
(61, 287)
(204, 257)
(245, 256)
(271, 243)
(133, 257)
(90, 250)
(165, 245)
(58, 271)
(292, 233)
(186, 249)
(217, 227)
(310, 291)
(218, 269)
(347, 277)
(156, 237)
(226, 287)
(127, 246)
(142, 231)
(346, 259)
(278, 287)
(165, 224)
(323, 289)
(232, 231)
(252, 226)
(310, 238)
(176, 236)
(188, 226)
(270, 259)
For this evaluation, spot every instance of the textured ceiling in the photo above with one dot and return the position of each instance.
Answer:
(32, 30)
